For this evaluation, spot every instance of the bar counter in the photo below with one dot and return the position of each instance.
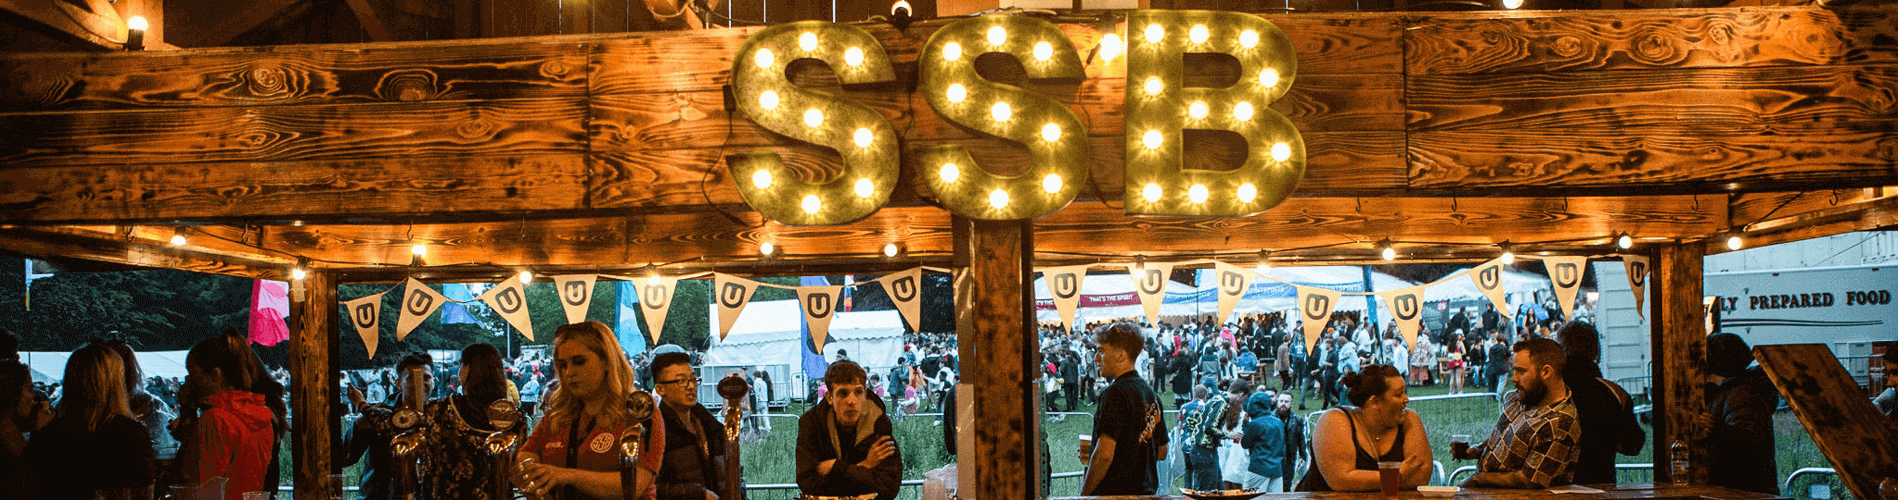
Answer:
(1625, 491)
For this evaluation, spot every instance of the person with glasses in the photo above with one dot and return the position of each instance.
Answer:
(844, 444)
(693, 467)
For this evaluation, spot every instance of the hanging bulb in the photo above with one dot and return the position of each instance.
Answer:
(526, 277)
(178, 239)
(419, 250)
(1140, 262)
(1265, 261)
(300, 271)
(652, 275)
(1509, 255)
(1734, 243)
(767, 248)
(890, 250)
(1386, 250)
(1625, 241)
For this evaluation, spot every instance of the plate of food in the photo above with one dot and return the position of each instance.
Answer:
(1221, 494)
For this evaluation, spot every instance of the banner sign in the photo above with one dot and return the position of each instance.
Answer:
(1489, 279)
(509, 299)
(820, 306)
(655, 299)
(1637, 280)
(731, 293)
(1150, 283)
(576, 295)
(1064, 284)
(1406, 305)
(366, 314)
(906, 290)
(1233, 282)
(1566, 274)
(1314, 308)
(418, 303)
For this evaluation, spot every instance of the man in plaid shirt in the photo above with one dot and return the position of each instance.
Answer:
(1536, 441)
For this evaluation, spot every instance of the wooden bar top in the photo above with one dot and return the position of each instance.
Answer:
(1625, 491)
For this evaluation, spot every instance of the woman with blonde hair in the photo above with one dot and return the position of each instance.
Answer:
(576, 447)
(94, 436)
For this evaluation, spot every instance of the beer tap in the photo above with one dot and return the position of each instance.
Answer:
(406, 448)
(733, 388)
(503, 416)
(640, 405)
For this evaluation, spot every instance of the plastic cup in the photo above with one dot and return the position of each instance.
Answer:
(1387, 473)
(1459, 443)
(333, 487)
(1087, 446)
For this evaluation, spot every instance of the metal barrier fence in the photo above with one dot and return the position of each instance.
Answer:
(1820, 484)
(1464, 472)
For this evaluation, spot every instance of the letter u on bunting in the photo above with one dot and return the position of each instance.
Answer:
(906, 290)
(1406, 305)
(1566, 274)
(1488, 277)
(419, 301)
(1064, 285)
(576, 295)
(366, 314)
(1150, 285)
(1233, 283)
(509, 299)
(655, 298)
(731, 293)
(820, 306)
(1314, 308)
(1637, 280)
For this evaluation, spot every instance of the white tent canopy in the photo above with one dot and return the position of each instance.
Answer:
(1265, 296)
(767, 333)
(167, 364)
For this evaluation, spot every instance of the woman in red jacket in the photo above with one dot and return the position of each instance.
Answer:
(233, 434)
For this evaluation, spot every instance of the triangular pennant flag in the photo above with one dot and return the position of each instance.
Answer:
(1566, 273)
(1488, 277)
(1150, 284)
(1637, 280)
(1314, 308)
(731, 293)
(1233, 282)
(1064, 284)
(1406, 306)
(366, 314)
(820, 305)
(509, 299)
(906, 290)
(576, 295)
(419, 301)
(655, 298)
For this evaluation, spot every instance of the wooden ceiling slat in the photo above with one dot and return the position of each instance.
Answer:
(1750, 208)
(1554, 41)
(33, 242)
(1708, 99)
(1650, 159)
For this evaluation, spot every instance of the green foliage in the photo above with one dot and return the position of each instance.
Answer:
(151, 310)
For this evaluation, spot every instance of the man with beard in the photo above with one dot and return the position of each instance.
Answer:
(1536, 441)
(1295, 446)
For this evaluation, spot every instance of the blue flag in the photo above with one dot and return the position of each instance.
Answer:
(814, 363)
(627, 322)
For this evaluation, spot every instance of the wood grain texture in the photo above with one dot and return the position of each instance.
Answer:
(116, 251)
(93, 21)
(269, 134)
(1708, 38)
(994, 312)
(1717, 100)
(1652, 159)
(1680, 354)
(302, 190)
(314, 333)
(293, 75)
(1759, 208)
(1854, 436)
(1870, 215)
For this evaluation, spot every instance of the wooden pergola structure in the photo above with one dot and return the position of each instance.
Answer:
(1447, 133)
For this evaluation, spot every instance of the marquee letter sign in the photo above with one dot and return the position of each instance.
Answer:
(1158, 111)
(867, 142)
(1056, 141)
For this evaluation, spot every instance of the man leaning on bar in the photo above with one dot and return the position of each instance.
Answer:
(1535, 443)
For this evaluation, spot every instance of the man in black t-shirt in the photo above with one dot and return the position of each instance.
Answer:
(1130, 433)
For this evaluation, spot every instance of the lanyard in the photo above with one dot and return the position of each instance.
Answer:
(573, 442)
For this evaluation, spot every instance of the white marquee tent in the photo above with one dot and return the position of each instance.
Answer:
(767, 333)
(167, 364)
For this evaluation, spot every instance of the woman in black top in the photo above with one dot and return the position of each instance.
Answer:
(94, 438)
(1349, 441)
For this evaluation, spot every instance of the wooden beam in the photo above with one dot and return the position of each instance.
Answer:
(994, 315)
(91, 21)
(314, 380)
(1680, 355)
(1868, 215)
(34, 242)
(372, 24)
(1854, 436)
(217, 23)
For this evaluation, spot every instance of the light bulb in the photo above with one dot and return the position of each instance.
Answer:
(1152, 139)
(653, 279)
(1734, 243)
(1281, 151)
(1051, 183)
(998, 199)
(997, 35)
(764, 58)
(1248, 192)
(138, 23)
(1001, 111)
(1197, 193)
(419, 250)
(1625, 241)
(1151, 192)
(768, 100)
(1263, 267)
(1508, 257)
(1512, 4)
(952, 51)
(177, 240)
(889, 249)
(949, 172)
(863, 137)
(1043, 51)
(1110, 46)
(807, 41)
(1153, 86)
(1051, 132)
(766, 248)
(761, 179)
(1389, 253)
(1198, 34)
(813, 117)
(1197, 110)
(526, 277)
(1248, 39)
(1269, 77)
(1242, 111)
(298, 273)
(957, 93)
(812, 204)
(1155, 33)
(853, 56)
(865, 188)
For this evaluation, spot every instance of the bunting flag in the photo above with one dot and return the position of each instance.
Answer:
(1637, 280)
(655, 299)
(1150, 284)
(576, 295)
(731, 293)
(626, 318)
(1314, 308)
(418, 302)
(906, 290)
(269, 305)
(820, 305)
(366, 314)
(1489, 278)
(1406, 305)
(509, 299)
(1233, 283)
(1566, 273)
(1064, 284)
